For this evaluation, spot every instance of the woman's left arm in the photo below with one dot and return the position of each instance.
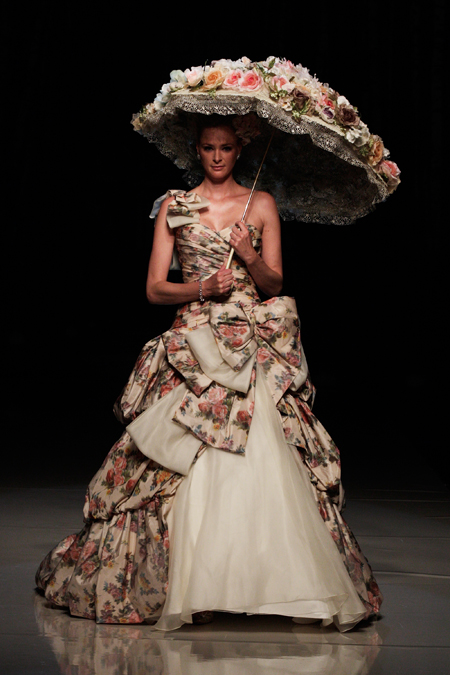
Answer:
(267, 268)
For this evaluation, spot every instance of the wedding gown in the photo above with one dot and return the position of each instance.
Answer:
(224, 491)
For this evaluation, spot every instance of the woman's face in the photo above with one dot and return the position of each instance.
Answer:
(218, 148)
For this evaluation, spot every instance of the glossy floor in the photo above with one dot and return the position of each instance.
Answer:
(404, 533)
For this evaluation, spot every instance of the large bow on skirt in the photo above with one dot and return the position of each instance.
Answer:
(213, 401)
(225, 351)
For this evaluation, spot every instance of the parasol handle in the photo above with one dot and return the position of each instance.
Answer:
(230, 257)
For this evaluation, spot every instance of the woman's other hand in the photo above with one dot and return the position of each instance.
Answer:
(241, 241)
(219, 283)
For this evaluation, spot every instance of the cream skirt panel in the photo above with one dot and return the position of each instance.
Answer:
(246, 535)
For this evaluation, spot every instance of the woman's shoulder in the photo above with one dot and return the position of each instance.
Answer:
(266, 196)
(264, 200)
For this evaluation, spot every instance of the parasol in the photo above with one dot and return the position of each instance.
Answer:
(324, 165)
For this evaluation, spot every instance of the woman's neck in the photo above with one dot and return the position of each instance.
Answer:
(220, 190)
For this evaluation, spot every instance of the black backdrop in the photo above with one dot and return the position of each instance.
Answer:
(80, 185)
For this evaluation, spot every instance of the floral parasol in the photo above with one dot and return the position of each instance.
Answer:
(324, 165)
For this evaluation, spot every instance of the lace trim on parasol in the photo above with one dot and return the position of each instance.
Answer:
(174, 133)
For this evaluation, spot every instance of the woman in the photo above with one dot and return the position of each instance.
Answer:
(223, 469)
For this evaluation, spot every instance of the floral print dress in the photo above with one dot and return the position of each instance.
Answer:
(204, 405)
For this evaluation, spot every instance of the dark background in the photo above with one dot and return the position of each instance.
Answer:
(80, 184)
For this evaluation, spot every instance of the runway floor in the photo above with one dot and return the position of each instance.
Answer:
(404, 533)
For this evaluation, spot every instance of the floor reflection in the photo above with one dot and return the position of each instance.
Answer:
(84, 647)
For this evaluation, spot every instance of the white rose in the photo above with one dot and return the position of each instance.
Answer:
(303, 74)
(365, 134)
(359, 136)
(268, 61)
(223, 64)
(240, 64)
(342, 101)
(163, 96)
(176, 85)
(178, 76)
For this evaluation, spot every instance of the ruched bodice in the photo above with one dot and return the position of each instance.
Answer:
(202, 251)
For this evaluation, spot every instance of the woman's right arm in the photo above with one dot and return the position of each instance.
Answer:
(163, 292)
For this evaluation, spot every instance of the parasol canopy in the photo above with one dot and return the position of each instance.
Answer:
(324, 165)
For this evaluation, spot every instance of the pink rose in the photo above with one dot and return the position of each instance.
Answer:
(280, 82)
(220, 411)
(121, 521)
(118, 480)
(134, 617)
(233, 79)
(226, 331)
(242, 330)
(263, 355)
(194, 75)
(237, 342)
(120, 464)
(165, 389)
(216, 394)
(390, 168)
(252, 81)
(88, 567)
(130, 485)
(173, 346)
(89, 549)
(274, 325)
(243, 417)
(109, 479)
(390, 172)
(204, 407)
(74, 553)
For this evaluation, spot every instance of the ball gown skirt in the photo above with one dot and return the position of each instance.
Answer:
(224, 491)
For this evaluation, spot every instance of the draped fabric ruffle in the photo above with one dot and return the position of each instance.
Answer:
(115, 569)
(192, 393)
(216, 360)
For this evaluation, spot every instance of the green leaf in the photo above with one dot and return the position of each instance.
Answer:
(197, 86)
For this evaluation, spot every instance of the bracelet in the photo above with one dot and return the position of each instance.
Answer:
(200, 291)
